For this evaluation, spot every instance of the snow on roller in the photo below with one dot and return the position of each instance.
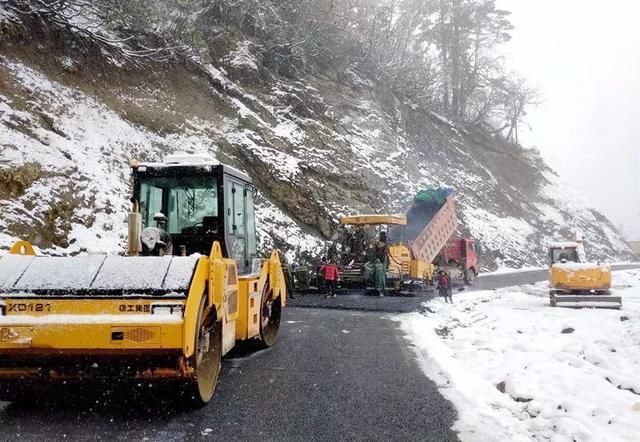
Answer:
(97, 274)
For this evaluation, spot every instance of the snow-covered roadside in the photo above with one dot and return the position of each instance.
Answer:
(509, 270)
(517, 369)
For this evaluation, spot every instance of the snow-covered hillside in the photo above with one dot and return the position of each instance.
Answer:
(74, 150)
(519, 370)
(317, 148)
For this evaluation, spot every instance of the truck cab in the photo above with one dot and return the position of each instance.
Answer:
(460, 257)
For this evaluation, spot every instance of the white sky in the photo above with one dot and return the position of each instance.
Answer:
(584, 56)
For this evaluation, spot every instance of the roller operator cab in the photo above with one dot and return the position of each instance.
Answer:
(166, 317)
(188, 202)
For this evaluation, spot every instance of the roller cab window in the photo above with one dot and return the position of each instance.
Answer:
(190, 204)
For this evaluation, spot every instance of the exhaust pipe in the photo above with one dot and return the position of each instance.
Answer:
(134, 223)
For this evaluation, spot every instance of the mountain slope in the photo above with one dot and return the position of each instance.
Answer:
(317, 147)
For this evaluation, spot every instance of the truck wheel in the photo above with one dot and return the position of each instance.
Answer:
(270, 314)
(207, 360)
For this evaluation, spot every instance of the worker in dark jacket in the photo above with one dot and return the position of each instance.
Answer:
(331, 276)
(444, 286)
(381, 247)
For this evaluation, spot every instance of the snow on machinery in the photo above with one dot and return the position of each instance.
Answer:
(408, 246)
(575, 282)
(151, 319)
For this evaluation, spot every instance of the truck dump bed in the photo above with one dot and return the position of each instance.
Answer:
(431, 221)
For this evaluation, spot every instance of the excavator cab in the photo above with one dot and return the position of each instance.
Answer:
(186, 203)
(566, 252)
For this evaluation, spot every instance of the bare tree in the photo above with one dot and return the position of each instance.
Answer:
(438, 54)
(111, 25)
(520, 96)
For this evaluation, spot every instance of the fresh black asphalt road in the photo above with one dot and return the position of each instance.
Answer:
(340, 373)
(332, 375)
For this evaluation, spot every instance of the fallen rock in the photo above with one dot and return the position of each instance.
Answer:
(443, 332)
(501, 387)
(624, 318)
(568, 330)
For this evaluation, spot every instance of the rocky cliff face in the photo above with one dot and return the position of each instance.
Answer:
(317, 147)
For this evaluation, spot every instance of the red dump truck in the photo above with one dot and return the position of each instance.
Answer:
(431, 224)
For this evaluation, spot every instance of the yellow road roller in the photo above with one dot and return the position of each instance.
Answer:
(189, 289)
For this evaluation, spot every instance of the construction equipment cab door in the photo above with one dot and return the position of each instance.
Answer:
(241, 228)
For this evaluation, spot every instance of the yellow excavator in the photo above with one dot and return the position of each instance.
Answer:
(576, 283)
(191, 287)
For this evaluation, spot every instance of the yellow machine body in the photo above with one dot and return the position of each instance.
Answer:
(153, 314)
(404, 266)
(164, 328)
(422, 270)
(399, 260)
(580, 277)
